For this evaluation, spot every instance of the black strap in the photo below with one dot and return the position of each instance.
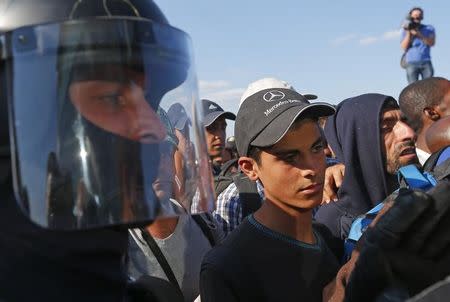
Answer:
(161, 258)
(224, 178)
(407, 48)
(206, 228)
(248, 194)
(410, 43)
(227, 166)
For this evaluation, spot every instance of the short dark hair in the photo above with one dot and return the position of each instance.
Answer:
(255, 153)
(419, 95)
(416, 8)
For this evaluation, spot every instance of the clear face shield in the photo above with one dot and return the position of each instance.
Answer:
(91, 142)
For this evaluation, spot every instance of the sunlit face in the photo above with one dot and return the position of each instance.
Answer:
(292, 171)
(118, 107)
(398, 138)
(215, 138)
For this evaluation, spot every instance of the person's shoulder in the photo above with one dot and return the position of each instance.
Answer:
(214, 226)
(402, 33)
(230, 192)
(232, 247)
(429, 27)
(323, 230)
(335, 244)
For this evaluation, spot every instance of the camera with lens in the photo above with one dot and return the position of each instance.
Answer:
(409, 24)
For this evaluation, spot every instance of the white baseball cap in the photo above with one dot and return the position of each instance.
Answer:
(266, 83)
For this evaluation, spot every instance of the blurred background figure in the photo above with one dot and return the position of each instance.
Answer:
(172, 248)
(230, 151)
(184, 156)
(417, 39)
(215, 126)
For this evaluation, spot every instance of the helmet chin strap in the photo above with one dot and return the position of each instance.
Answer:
(5, 168)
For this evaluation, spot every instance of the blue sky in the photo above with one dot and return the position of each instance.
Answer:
(335, 49)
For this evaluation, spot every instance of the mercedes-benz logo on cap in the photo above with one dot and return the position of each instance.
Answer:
(273, 96)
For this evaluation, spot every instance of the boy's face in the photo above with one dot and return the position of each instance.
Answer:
(292, 171)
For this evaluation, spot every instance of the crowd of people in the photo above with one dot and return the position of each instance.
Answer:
(123, 189)
(293, 236)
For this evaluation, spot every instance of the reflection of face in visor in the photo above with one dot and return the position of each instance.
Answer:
(164, 184)
(109, 135)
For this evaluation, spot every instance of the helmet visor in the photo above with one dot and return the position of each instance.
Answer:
(91, 143)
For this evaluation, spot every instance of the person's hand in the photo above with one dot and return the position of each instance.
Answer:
(335, 290)
(413, 32)
(407, 246)
(334, 176)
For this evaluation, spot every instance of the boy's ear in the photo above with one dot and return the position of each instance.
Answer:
(249, 167)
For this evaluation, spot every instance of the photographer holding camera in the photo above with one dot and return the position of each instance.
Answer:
(417, 39)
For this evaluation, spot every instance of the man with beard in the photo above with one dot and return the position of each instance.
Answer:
(369, 135)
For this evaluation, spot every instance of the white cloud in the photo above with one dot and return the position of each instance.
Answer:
(212, 85)
(368, 40)
(387, 35)
(391, 34)
(222, 92)
(224, 96)
(343, 39)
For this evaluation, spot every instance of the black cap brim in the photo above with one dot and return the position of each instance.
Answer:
(310, 96)
(181, 123)
(210, 118)
(278, 128)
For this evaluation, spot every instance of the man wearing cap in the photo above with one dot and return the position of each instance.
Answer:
(277, 253)
(230, 210)
(215, 126)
